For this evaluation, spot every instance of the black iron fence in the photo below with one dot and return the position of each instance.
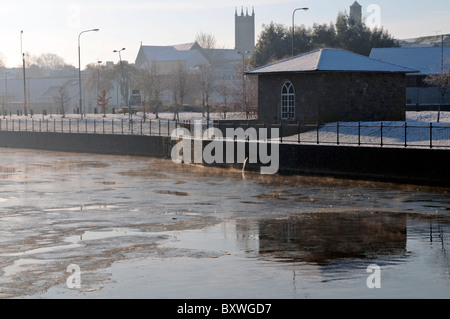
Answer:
(392, 134)
(380, 134)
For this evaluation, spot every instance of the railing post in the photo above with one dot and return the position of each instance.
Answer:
(381, 134)
(159, 126)
(317, 132)
(103, 126)
(94, 127)
(141, 126)
(431, 135)
(298, 132)
(112, 126)
(121, 123)
(359, 133)
(168, 127)
(85, 121)
(406, 128)
(281, 132)
(337, 133)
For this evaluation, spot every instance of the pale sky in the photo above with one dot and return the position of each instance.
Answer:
(52, 26)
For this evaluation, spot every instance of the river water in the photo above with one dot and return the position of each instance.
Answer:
(148, 228)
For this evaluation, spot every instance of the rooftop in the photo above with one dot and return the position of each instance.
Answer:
(331, 60)
(425, 59)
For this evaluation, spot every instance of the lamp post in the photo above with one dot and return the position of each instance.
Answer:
(6, 93)
(293, 26)
(24, 77)
(124, 84)
(79, 66)
(98, 80)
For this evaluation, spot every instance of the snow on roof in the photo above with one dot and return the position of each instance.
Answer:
(330, 60)
(425, 59)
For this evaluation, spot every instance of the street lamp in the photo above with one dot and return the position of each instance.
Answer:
(79, 66)
(24, 78)
(293, 26)
(6, 93)
(98, 80)
(123, 83)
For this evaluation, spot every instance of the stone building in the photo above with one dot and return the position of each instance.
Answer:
(331, 85)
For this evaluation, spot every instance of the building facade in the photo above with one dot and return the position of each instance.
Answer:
(331, 85)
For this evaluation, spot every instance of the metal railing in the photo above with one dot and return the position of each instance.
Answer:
(160, 127)
(380, 134)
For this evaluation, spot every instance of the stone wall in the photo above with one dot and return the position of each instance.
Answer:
(366, 163)
(335, 96)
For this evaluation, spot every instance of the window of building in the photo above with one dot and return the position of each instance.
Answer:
(287, 101)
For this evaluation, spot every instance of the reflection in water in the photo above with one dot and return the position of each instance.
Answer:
(322, 237)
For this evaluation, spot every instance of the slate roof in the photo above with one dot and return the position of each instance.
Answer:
(425, 59)
(331, 60)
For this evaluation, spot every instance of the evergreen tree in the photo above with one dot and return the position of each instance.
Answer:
(275, 41)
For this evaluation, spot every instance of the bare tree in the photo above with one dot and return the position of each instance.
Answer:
(50, 61)
(206, 83)
(149, 81)
(244, 90)
(62, 99)
(180, 87)
(442, 81)
(206, 41)
(100, 77)
(224, 92)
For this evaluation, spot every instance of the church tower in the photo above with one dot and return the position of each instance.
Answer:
(356, 12)
(245, 31)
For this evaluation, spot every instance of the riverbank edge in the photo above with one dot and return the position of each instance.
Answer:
(397, 165)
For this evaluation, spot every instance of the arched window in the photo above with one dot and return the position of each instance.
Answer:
(287, 101)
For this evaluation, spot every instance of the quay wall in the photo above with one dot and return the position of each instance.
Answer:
(419, 166)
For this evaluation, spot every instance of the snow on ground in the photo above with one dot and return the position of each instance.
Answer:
(420, 126)
(418, 129)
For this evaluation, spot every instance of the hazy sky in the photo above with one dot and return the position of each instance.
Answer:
(52, 26)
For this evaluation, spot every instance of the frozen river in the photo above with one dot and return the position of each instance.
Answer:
(147, 228)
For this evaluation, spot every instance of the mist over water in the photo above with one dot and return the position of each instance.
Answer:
(148, 228)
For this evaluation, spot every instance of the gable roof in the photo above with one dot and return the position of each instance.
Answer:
(425, 59)
(188, 52)
(330, 60)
